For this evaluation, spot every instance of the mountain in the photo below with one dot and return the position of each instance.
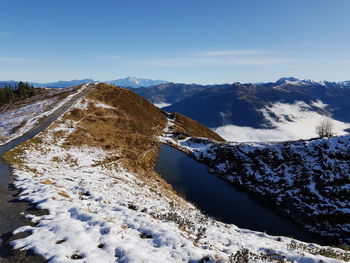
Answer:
(134, 82)
(285, 80)
(97, 198)
(8, 82)
(307, 180)
(269, 109)
(169, 93)
(57, 84)
(62, 83)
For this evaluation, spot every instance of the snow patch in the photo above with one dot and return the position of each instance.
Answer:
(101, 214)
(27, 116)
(162, 104)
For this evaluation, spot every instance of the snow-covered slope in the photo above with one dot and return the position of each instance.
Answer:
(17, 119)
(101, 211)
(135, 82)
(308, 180)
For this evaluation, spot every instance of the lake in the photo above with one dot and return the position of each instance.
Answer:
(221, 200)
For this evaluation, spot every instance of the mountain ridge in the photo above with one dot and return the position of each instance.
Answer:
(132, 82)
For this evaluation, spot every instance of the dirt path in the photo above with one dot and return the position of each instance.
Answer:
(11, 209)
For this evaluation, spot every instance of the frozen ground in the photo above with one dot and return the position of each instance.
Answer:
(308, 180)
(103, 213)
(17, 121)
(289, 121)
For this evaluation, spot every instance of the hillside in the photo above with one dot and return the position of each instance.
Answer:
(20, 116)
(170, 93)
(92, 170)
(307, 180)
(281, 110)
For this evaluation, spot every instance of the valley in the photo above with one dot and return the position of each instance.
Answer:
(93, 169)
(288, 109)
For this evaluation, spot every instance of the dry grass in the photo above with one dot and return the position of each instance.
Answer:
(63, 194)
(42, 94)
(47, 182)
(128, 131)
(14, 156)
(189, 127)
(130, 127)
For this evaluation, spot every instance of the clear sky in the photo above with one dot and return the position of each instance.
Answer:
(199, 41)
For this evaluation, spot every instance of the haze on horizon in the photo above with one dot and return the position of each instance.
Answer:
(199, 41)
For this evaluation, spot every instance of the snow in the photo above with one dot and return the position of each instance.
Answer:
(106, 214)
(278, 170)
(162, 104)
(289, 121)
(27, 116)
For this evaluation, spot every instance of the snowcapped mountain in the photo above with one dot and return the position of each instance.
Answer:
(285, 80)
(104, 202)
(287, 109)
(62, 83)
(134, 82)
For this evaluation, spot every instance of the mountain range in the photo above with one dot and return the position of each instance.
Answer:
(131, 82)
(85, 160)
(286, 109)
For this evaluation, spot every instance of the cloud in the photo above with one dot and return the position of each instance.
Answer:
(214, 61)
(217, 58)
(289, 121)
(206, 59)
(229, 53)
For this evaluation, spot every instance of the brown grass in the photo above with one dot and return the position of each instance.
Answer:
(47, 182)
(130, 128)
(128, 131)
(189, 127)
(63, 194)
(14, 156)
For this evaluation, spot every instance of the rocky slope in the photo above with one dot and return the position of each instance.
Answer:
(225, 105)
(307, 180)
(170, 93)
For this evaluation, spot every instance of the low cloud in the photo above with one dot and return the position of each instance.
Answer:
(217, 58)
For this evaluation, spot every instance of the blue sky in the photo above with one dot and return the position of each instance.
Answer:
(193, 41)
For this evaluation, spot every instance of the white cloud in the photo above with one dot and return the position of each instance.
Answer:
(294, 121)
(212, 58)
(206, 59)
(229, 53)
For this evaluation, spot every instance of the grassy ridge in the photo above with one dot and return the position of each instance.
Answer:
(190, 127)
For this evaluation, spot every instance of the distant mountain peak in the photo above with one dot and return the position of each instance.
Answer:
(286, 80)
(135, 82)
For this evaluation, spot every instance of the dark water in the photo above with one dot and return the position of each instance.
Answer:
(221, 200)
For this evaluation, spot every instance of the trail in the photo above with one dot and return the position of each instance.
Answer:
(11, 210)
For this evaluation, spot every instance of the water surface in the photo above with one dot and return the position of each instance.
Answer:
(222, 200)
